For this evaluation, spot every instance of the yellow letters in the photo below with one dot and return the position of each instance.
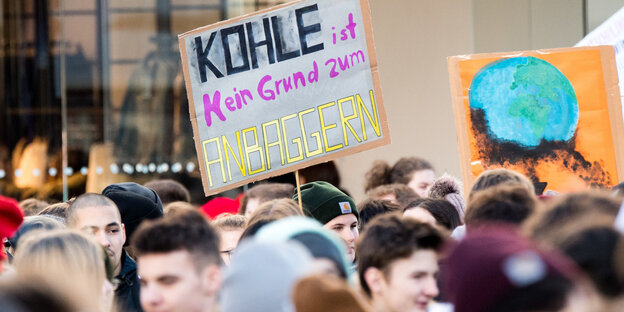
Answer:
(227, 147)
(345, 120)
(253, 148)
(297, 141)
(218, 160)
(325, 127)
(315, 135)
(374, 123)
(276, 143)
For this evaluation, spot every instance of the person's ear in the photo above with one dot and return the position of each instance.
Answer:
(123, 230)
(211, 279)
(374, 279)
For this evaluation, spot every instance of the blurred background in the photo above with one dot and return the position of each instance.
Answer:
(91, 91)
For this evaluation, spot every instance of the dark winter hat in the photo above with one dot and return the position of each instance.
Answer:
(323, 201)
(504, 261)
(321, 247)
(134, 208)
(137, 189)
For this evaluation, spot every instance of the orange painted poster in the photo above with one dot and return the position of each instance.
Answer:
(553, 115)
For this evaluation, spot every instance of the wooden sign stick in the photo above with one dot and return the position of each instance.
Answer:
(298, 190)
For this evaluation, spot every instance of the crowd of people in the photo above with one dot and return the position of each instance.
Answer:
(415, 243)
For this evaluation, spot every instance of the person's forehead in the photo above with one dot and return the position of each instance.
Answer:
(419, 212)
(175, 263)
(231, 234)
(343, 219)
(425, 175)
(97, 216)
(425, 260)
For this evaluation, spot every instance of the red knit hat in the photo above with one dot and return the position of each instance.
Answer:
(490, 263)
(11, 216)
(218, 206)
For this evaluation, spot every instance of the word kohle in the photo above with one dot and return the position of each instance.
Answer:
(282, 89)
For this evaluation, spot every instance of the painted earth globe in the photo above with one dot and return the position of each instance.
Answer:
(525, 100)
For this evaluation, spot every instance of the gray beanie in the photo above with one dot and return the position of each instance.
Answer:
(262, 275)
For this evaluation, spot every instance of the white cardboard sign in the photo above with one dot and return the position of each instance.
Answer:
(282, 89)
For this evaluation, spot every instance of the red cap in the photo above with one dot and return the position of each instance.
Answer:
(11, 216)
(218, 206)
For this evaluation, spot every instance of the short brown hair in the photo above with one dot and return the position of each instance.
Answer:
(188, 231)
(176, 207)
(564, 208)
(511, 204)
(493, 177)
(89, 200)
(58, 210)
(275, 209)
(265, 192)
(32, 206)
(169, 190)
(228, 221)
(390, 237)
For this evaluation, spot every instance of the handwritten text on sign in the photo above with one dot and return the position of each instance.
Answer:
(282, 89)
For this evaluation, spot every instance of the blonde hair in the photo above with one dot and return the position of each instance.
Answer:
(177, 207)
(275, 209)
(69, 262)
(228, 222)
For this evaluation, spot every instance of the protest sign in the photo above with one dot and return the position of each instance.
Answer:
(282, 89)
(553, 115)
(611, 32)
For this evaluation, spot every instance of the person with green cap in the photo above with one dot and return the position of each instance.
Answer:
(332, 208)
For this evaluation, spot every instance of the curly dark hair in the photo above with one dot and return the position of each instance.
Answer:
(188, 231)
(391, 237)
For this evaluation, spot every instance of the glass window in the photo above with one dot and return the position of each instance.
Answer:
(93, 94)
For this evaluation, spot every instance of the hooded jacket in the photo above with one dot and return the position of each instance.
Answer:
(128, 288)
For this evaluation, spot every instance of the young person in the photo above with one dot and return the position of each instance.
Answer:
(495, 269)
(504, 203)
(334, 209)
(230, 228)
(398, 263)
(414, 172)
(179, 263)
(70, 263)
(96, 215)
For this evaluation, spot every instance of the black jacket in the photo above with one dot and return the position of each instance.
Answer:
(128, 290)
